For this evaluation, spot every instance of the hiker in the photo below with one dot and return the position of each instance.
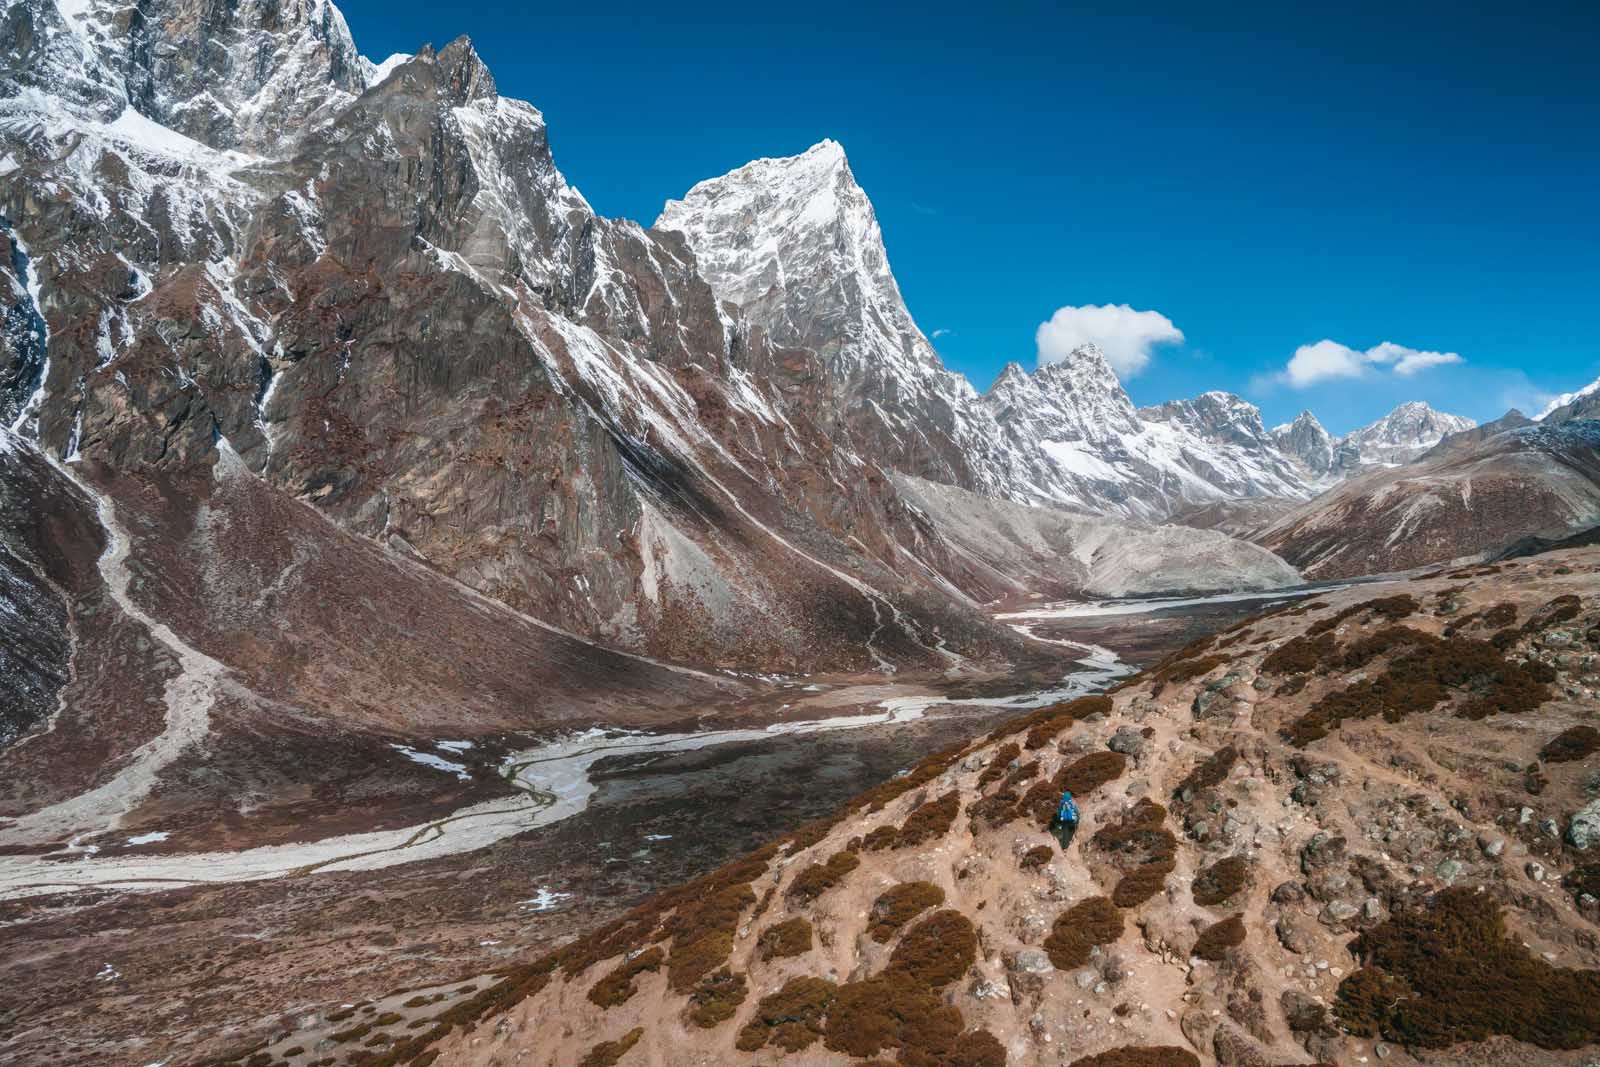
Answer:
(1065, 824)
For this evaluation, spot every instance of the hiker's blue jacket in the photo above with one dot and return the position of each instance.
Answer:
(1068, 811)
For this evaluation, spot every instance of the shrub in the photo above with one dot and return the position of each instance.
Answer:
(1575, 743)
(1299, 655)
(791, 1018)
(936, 951)
(929, 821)
(1046, 723)
(900, 905)
(618, 986)
(702, 934)
(1180, 671)
(875, 1014)
(996, 769)
(607, 1053)
(1142, 848)
(1140, 1056)
(1211, 771)
(788, 938)
(1221, 880)
(1390, 609)
(1079, 929)
(1090, 773)
(1020, 775)
(882, 837)
(1037, 857)
(1561, 609)
(716, 998)
(1445, 973)
(818, 878)
(1424, 672)
(1215, 940)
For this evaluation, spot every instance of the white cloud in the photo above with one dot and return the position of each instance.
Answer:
(1329, 361)
(1125, 335)
(940, 332)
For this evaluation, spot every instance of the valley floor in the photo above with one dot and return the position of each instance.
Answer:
(147, 950)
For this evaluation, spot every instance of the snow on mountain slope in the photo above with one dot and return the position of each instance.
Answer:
(1572, 405)
(793, 244)
(1306, 441)
(1402, 435)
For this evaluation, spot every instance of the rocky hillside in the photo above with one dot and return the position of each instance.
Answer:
(1465, 499)
(1358, 828)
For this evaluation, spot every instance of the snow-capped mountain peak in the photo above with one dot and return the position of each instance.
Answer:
(1404, 434)
(1566, 399)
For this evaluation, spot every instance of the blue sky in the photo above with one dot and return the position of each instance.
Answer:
(1266, 177)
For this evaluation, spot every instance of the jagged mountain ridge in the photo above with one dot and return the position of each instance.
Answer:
(381, 294)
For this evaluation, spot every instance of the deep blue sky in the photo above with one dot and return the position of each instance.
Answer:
(1265, 178)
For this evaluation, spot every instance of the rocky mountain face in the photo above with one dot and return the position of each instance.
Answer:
(1402, 435)
(1305, 440)
(227, 235)
(1465, 499)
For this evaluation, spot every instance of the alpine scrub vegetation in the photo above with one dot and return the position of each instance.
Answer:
(1446, 972)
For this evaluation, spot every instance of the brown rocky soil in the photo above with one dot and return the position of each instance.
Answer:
(1360, 832)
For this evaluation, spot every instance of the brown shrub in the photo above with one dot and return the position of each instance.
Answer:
(1139, 845)
(1445, 973)
(1574, 743)
(702, 934)
(1423, 672)
(618, 986)
(1561, 609)
(1045, 723)
(1037, 857)
(1221, 880)
(1079, 929)
(996, 769)
(1211, 771)
(1020, 775)
(791, 1018)
(607, 1053)
(929, 821)
(788, 938)
(716, 998)
(996, 809)
(1500, 616)
(1299, 655)
(1216, 939)
(818, 878)
(886, 836)
(1089, 773)
(1180, 671)
(875, 1014)
(1141, 1056)
(1390, 609)
(936, 951)
(900, 905)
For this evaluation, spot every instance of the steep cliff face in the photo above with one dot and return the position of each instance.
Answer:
(226, 230)
(1306, 441)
